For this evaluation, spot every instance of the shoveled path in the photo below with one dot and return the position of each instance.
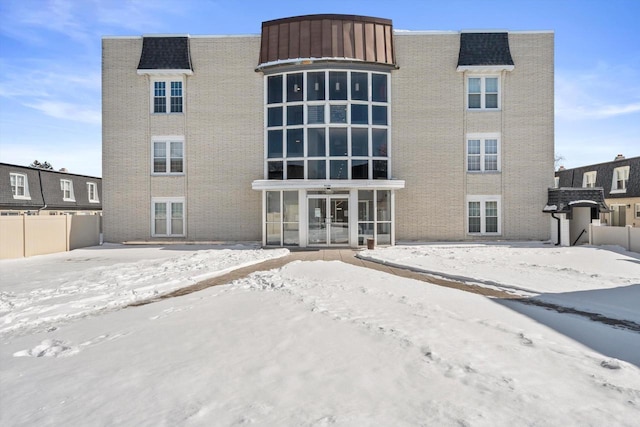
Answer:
(345, 255)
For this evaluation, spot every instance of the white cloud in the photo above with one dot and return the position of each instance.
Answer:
(602, 93)
(67, 111)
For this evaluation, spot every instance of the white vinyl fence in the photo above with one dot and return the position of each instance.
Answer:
(628, 237)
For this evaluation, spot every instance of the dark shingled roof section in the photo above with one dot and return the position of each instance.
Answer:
(165, 53)
(562, 198)
(604, 177)
(45, 182)
(484, 49)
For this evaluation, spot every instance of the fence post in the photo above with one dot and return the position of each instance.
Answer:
(628, 237)
(24, 236)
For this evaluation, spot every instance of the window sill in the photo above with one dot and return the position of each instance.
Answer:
(94, 201)
(68, 200)
(484, 172)
(22, 197)
(484, 109)
(168, 174)
(622, 191)
(166, 114)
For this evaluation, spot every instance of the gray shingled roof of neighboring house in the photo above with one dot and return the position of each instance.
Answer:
(562, 200)
(47, 183)
(484, 49)
(604, 177)
(165, 53)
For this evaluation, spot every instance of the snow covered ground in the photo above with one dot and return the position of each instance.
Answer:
(319, 343)
(602, 280)
(40, 292)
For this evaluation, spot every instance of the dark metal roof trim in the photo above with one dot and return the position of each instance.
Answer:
(484, 49)
(165, 53)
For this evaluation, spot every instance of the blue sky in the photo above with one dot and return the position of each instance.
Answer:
(50, 51)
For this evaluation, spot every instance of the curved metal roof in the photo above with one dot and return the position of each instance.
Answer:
(327, 37)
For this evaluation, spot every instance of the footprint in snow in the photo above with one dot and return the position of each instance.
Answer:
(49, 348)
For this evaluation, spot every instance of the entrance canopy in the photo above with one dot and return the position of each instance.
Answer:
(563, 200)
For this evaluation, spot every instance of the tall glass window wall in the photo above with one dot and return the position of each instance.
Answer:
(327, 125)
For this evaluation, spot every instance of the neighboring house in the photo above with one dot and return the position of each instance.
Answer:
(26, 190)
(328, 130)
(620, 183)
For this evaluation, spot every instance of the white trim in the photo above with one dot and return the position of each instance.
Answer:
(329, 185)
(26, 195)
(484, 68)
(637, 210)
(482, 199)
(168, 201)
(161, 72)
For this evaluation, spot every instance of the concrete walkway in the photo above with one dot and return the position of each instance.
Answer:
(344, 255)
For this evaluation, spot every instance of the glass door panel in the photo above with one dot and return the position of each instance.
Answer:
(339, 225)
(317, 221)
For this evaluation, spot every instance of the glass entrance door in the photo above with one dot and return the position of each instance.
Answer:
(328, 221)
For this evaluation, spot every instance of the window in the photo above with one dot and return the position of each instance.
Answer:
(167, 217)
(483, 153)
(483, 93)
(67, 190)
(620, 179)
(167, 92)
(327, 124)
(556, 182)
(589, 179)
(168, 156)
(637, 210)
(19, 186)
(483, 214)
(92, 191)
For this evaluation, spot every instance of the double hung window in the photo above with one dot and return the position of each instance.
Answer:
(620, 179)
(92, 192)
(483, 153)
(168, 156)
(67, 190)
(483, 93)
(589, 179)
(483, 215)
(167, 217)
(19, 186)
(167, 96)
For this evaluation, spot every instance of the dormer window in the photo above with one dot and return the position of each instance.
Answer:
(67, 190)
(19, 186)
(620, 179)
(589, 179)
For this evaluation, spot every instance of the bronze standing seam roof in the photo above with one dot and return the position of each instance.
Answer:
(349, 37)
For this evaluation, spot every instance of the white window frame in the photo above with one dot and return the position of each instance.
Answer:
(483, 218)
(13, 176)
(483, 137)
(483, 91)
(95, 198)
(167, 95)
(589, 179)
(637, 210)
(168, 201)
(63, 184)
(556, 182)
(167, 140)
(624, 170)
